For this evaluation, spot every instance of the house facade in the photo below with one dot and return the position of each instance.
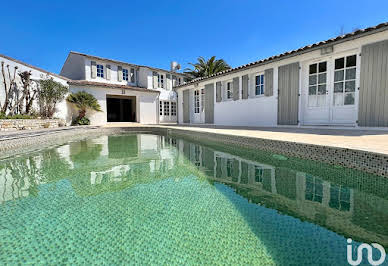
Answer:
(63, 111)
(339, 82)
(126, 92)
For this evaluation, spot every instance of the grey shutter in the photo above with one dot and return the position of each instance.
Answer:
(108, 72)
(154, 80)
(268, 82)
(120, 73)
(288, 100)
(186, 106)
(245, 86)
(373, 96)
(218, 91)
(93, 69)
(209, 103)
(174, 80)
(168, 78)
(236, 88)
(133, 78)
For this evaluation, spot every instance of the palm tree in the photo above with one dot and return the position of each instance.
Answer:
(83, 101)
(204, 68)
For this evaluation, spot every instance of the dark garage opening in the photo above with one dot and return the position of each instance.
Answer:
(120, 109)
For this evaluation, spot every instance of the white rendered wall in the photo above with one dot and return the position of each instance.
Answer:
(262, 110)
(146, 104)
(62, 107)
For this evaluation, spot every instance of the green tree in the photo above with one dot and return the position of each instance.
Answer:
(50, 93)
(83, 101)
(204, 68)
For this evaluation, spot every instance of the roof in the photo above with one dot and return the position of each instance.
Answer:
(109, 85)
(124, 63)
(304, 49)
(33, 67)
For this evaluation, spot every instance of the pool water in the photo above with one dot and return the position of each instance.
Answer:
(149, 199)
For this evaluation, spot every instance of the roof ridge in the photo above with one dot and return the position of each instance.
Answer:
(33, 67)
(122, 62)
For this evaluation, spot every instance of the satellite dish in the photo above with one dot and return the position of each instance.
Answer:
(175, 66)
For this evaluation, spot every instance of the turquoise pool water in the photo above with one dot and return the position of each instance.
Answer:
(148, 199)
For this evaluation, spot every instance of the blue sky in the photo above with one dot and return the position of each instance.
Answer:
(154, 33)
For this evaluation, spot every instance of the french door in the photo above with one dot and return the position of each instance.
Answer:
(199, 106)
(329, 94)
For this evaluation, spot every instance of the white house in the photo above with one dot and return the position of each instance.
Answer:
(340, 81)
(63, 110)
(126, 92)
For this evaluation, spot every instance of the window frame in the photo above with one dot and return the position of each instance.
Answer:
(318, 83)
(261, 84)
(229, 90)
(161, 81)
(100, 70)
(166, 108)
(344, 80)
(173, 109)
(196, 101)
(125, 74)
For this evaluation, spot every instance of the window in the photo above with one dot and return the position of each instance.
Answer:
(166, 108)
(132, 75)
(197, 155)
(125, 74)
(219, 167)
(179, 81)
(229, 167)
(314, 189)
(173, 108)
(161, 81)
(100, 71)
(229, 90)
(174, 81)
(259, 85)
(339, 198)
(160, 108)
(202, 99)
(196, 101)
(317, 84)
(345, 80)
(259, 172)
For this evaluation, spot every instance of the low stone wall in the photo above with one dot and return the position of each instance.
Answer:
(23, 124)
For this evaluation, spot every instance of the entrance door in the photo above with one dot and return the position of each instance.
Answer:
(199, 106)
(121, 109)
(330, 91)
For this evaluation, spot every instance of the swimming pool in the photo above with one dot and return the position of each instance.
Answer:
(150, 199)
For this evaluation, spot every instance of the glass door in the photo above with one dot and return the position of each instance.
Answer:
(316, 107)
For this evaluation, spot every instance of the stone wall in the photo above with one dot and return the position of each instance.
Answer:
(23, 124)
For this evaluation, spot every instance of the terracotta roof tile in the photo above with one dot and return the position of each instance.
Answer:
(109, 85)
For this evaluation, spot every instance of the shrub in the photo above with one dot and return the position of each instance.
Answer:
(50, 93)
(81, 121)
(17, 116)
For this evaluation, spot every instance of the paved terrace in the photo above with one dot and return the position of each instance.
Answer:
(375, 141)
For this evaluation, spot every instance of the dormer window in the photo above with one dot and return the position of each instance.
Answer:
(100, 71)
(125, 74)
